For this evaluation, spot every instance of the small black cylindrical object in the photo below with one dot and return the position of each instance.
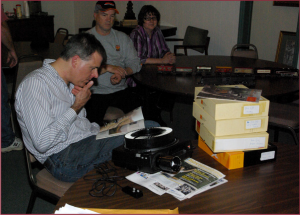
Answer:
(169, 163)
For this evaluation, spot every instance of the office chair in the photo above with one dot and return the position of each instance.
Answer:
(284, 116)
(244, 50)
(195, 39)
(43, 183)
(26, 64)
(61, 35)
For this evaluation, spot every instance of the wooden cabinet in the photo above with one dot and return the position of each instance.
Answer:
(35, 27)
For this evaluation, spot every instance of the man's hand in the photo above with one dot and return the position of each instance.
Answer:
(82, 95)
(115, 79)
(117, 70)
(12, 58)
(169, 58)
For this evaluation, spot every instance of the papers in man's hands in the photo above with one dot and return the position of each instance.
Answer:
(230, 93)
(193, 178)
(131, 121)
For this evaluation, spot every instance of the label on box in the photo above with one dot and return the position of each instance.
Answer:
(253, 124)
(251, 109)
(267, 155)
(240, 143)
(268, 71)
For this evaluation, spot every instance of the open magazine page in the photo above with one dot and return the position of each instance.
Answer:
(121, 129)
(230, 93)
(194, 178)
(202, 189)
(132, 116)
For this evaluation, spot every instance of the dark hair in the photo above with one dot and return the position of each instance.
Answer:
(83, 45)
(147, 9)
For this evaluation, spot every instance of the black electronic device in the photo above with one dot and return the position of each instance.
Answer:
(151, 150)
(132, 191)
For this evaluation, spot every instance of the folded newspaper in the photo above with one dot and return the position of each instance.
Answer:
(230, 93)
(131, 121)
(193, 178)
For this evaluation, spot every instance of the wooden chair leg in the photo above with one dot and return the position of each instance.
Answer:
(296, 138)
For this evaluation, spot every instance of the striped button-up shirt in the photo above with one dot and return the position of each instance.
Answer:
(48, 123)
(154, 47)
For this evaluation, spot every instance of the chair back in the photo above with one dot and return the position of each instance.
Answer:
(195, 36)
(62, 34)
(244, 50)
(27, 64)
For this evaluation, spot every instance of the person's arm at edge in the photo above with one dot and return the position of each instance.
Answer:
(6, 39)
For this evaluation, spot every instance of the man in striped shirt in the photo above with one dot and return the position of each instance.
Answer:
(50, 109)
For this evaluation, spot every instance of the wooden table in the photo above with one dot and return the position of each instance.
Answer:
(53, 52)
(185, 85)
(265, 188)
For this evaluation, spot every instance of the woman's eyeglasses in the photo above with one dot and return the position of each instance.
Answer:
(149, 18)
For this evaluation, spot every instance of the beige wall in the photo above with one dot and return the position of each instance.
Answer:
(220, 18)
(267, 22)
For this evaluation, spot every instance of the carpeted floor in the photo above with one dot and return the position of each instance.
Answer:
(15, 189)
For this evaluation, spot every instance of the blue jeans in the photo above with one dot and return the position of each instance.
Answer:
(7, 134)
(79, 158)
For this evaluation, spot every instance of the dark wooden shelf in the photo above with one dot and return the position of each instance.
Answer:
(28, 29)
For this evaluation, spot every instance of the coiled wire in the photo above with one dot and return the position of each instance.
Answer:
(106, 184)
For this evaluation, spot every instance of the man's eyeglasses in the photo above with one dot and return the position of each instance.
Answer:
(149, 18)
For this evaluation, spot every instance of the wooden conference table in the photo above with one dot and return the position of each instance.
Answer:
(271, 187)
(185, 85)
(24, 48)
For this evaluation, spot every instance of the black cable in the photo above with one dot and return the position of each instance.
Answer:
(106, 184)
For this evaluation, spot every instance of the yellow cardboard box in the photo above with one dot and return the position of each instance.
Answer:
(229, 109)
(231, 143)
(230, 126)
(231, 160)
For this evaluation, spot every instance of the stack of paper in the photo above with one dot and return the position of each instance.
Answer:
(69, 209)
(193, 178)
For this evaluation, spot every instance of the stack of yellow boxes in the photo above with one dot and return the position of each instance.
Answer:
(228, 129)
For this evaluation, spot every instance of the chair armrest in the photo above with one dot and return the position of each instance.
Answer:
(173, 39)
(185, 47)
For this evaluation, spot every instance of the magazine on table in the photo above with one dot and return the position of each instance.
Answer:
(230, 93)
(193, 178)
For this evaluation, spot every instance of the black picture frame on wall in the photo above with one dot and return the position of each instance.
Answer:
(286, 3)
(286, 48)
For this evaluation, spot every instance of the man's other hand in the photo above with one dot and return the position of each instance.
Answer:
(82, 95)
(115, 79)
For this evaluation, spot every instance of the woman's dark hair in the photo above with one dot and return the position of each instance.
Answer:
(83, 45)
(145, 10)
